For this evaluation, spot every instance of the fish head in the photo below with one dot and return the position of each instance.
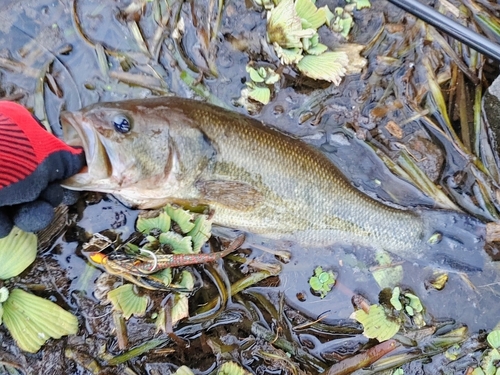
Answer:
(127, 148)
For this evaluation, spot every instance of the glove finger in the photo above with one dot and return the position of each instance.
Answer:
(70, 197)
(5, 224)
(54, 194)
(33, 216)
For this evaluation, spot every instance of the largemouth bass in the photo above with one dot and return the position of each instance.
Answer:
(151, 152)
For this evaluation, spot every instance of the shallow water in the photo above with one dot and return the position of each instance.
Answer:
(45, 27)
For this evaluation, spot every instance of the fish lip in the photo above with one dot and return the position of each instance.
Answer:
(79, 133)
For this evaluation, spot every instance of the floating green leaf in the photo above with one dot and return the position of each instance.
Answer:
(360, 4)
(415, 303)
(376, 323)
(317, 49)
(329, 66)
(231, 368)
(17, 252)
(180, 309)
(494, 339)
(32, 320)
(288, 55)
(322, 281)
(164, 276)
(488, 364)
(260, 94)
(4, 294)
(126, 299)
(183, 370)
(181, 217)
(160, 222)
(387, 276)
(310, 15)
(284, 26)
(254, 74)
(179, 244)
(395, 299)
(186, 282)
(272, 77)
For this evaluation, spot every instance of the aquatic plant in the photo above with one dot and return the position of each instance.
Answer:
(322, 281)
(31, 320)
(292, 29)
(171, 229)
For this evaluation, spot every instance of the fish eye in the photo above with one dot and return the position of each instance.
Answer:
(121, 124)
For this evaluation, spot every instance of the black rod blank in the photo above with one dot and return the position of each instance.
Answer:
(450, 27)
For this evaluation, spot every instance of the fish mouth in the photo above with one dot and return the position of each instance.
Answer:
(79, 133)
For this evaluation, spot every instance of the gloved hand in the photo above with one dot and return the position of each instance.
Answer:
(31, 162)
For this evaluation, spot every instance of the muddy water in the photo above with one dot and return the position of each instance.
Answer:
(36, 33)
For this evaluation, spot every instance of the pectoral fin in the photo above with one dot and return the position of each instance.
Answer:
(236, 195)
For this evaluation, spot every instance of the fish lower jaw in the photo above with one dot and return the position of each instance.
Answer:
(84, 182)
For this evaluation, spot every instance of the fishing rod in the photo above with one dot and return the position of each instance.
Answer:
(450, 27)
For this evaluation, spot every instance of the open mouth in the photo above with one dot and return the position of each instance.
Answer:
(79, 133)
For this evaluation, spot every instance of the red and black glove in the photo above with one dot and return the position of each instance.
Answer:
(31, 162)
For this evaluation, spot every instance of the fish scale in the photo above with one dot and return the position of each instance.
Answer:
(311, 203)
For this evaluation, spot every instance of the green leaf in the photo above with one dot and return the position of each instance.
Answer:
(315, 283)
(329, 66)
(160, 222)
(164, 276)
(180, 309)
(288, 56)
(388, 277)
(360, 4)
(488, 364)
(284, 26)
(318, 49)
(414, 302)
(181, 217)
(328, 15)
(17, 252)
(308, 12)
(200, 233)
(1, 313)
(409, 310)
(126, 300)
(272, 77)
(32, 320)
(376, 324)
(318, 271)
(395, 299)
(183, 370)
(398, 371)
(346, 24)
(187, 281)
(494, 339)
(260, 94)
(231, 368)
(4, 294)
(254, 75)
(178, 243)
